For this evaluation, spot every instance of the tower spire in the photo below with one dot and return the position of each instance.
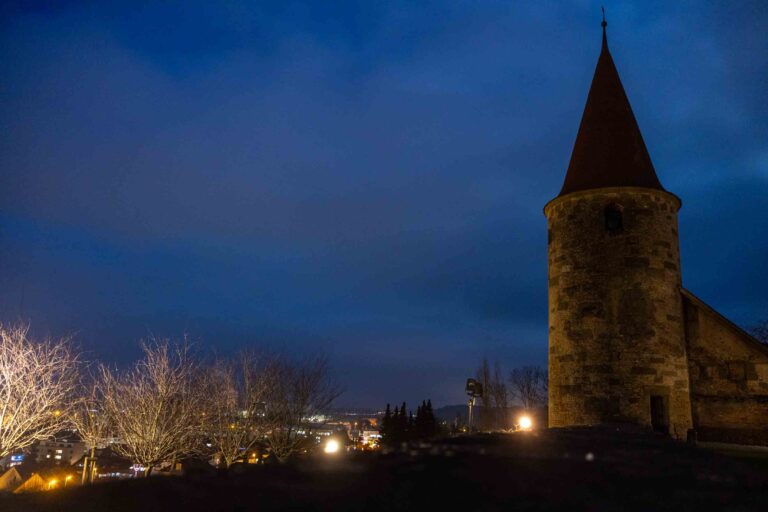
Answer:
(609, 150)
(604, 24)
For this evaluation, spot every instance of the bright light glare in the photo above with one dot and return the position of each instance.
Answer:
(332, 446)
(525, 422)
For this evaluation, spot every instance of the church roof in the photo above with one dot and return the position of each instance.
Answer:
(609, 149)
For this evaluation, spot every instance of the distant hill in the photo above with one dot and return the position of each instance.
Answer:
(450, 412)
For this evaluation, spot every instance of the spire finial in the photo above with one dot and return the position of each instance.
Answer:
(604, 24)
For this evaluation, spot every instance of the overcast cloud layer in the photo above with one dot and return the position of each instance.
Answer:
(362, 178)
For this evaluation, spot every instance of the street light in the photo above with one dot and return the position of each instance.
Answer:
(331, 446)
(525, 422)
(475, 390)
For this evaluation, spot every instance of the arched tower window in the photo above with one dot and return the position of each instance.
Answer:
(614, 219)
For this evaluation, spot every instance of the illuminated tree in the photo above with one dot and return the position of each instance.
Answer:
(235, 416)
(37, 381)
(300, 390)
(156, 407)
(92, 423)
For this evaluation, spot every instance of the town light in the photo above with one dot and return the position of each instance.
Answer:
(332, 446)
(525, 423)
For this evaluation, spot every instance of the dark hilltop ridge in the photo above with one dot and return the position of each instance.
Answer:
(558, 469)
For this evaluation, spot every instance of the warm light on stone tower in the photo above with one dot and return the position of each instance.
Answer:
(617, 350)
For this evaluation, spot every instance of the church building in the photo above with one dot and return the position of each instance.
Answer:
(627, 343)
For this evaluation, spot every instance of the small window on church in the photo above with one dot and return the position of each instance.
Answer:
(614, 222)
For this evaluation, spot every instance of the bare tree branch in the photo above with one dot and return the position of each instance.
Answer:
(156, 407)
(529, 386)
(300, 390)
(235, 413)
(500, 395)
(37, 380)
(91, 422)
(495, 399)
(88, 416)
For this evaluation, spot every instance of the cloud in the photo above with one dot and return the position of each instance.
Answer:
(367, 178)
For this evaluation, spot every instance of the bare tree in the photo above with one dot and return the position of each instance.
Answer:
(92, 423)
(300, 390)
(760, 332)
(495, 396)
(156, 407)
(235, 416)
(500, 395)
(483, 416)
(484, 378)
(529, 386)
(37, 380)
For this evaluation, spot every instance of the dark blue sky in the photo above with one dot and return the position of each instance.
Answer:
(366, 178)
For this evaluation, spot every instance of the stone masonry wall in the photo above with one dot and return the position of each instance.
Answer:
(615, 310)
(729, 377)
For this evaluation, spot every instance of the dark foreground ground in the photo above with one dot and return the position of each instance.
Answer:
(574, 470)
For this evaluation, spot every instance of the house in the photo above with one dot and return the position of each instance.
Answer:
(32, 477)
(11, 479)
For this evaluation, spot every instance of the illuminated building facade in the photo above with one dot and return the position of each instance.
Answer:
(60, 450)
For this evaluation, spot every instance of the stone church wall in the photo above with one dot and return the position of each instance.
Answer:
(729, 377)
(615, 311)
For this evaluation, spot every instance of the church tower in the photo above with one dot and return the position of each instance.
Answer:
(617, 351)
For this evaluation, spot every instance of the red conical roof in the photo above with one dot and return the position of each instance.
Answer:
(609, 149)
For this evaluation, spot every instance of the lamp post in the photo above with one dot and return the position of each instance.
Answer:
(470, 405)
(474, 389)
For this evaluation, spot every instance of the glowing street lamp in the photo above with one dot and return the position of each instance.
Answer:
(331, 446)
(525, 423)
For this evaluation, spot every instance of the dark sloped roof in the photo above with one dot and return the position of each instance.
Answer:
(609, 149)
(45, 470)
